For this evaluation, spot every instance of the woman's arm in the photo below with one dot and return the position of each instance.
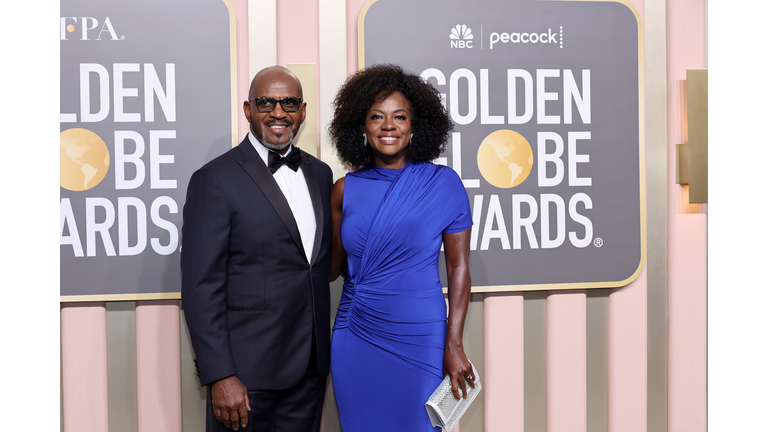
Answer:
(455, 363)
(338, 255)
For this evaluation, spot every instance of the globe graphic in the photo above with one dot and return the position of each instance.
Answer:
(84, 159)
(505, 158)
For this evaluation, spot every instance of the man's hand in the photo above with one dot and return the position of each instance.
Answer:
(230, 402)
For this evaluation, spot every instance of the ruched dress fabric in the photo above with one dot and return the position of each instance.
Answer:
(389, 335)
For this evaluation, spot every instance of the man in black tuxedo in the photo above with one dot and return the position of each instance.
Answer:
(254, 263)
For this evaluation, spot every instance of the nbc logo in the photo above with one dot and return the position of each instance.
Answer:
(461, 36)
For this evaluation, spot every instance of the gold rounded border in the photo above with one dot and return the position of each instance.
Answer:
(641, 149)
(235, 141)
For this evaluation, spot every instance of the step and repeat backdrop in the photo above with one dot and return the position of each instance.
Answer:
(546, 98)
(147, 96)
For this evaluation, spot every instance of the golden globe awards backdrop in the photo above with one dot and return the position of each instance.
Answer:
(147, 97)
(546, 99)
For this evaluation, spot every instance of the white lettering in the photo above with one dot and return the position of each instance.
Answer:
(471, 96)
(574, 158)
(173, 233)
(122, 158)
(122, 227)
(587, 239)
(485, 116)
(494, 214)
(554, 158)
(519, 222)
(67, 217)
(546, 241)
(581, 99)
(122, 92)
(102, 228)
(85, 92)
(512, 76)
(542, 96)
(166, 98)
(156, 159)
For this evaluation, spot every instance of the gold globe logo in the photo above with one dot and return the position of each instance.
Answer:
(505, 158)
(84, 159)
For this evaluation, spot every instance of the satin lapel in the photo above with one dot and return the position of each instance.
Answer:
(317, 205)
(260, 174)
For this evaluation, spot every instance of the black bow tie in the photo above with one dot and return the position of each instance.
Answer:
(293, 160)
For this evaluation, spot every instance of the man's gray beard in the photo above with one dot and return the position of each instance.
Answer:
(277, 147)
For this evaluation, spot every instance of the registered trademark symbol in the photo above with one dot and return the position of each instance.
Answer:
(122, 37)
(598, 242)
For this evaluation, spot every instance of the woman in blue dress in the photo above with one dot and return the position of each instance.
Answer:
(392, 343)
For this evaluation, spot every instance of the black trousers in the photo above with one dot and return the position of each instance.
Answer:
(295, 409)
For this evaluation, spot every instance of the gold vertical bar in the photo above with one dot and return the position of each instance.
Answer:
(306, 139)
(597, 360)
(698, 144)
(192, 395)
(472, 420)
(121, 366)
(331, 420)
(681, 162)
(657, 183)
(535, 347)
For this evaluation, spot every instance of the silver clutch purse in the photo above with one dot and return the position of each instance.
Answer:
(443, 409)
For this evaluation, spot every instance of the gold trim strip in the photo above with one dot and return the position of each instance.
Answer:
(641, 149)
(361, 34)
(121, 367)
(597, 360)
(120, 297)
(306, 138)
(233, 69)
(657, 327)
(697, 108)
(535, 361)
(192, 395)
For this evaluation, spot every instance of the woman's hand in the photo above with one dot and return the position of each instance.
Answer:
(456, 366)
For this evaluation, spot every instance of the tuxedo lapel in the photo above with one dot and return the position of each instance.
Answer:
(258, 171)
(317, 205)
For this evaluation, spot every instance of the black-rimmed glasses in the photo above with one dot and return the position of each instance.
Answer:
(267, 104)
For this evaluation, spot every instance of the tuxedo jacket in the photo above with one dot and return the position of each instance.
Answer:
(251, 297)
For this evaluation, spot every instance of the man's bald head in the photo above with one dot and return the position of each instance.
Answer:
(274, 73)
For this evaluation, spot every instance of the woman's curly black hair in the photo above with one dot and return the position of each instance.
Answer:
(429, 120)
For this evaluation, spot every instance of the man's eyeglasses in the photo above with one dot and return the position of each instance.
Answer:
(267, 104)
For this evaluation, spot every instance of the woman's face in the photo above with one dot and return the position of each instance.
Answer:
(388, 130)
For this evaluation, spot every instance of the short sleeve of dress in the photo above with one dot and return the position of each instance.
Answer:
(457, 202)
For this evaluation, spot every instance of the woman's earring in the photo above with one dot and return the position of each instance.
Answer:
(365, 140)
(410, 141)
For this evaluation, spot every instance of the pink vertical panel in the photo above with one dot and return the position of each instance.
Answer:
(687, 289)
(567, 361)
(298, 36)
(353, 11)
(243, 80)
(298, 32)
(84, 367)
(504, 377)
(158, 366)
(628, 357)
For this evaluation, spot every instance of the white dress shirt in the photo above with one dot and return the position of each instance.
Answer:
(294, 187)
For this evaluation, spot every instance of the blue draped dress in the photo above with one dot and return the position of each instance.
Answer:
(389, 334)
